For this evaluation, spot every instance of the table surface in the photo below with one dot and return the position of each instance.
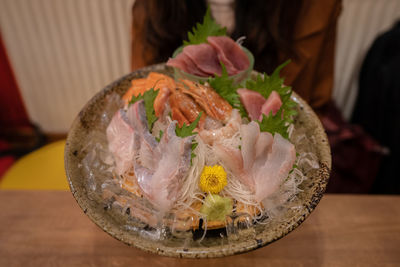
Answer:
(43, 228)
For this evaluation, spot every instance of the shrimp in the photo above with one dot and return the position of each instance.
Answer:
(184, 109)
(209, 100)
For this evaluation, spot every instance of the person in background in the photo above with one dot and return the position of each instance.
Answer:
(301, 30)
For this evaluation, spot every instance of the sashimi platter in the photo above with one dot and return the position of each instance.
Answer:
(200, 156)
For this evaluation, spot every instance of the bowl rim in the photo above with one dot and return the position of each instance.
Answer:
(112, 229)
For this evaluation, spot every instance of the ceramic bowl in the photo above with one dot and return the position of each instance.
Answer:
(92, 117)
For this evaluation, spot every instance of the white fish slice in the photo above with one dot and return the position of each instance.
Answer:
(262, 163)
(159, 167)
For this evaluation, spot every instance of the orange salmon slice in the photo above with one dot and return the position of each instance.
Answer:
(155, 80)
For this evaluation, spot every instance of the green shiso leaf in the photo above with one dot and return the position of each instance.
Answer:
(226, 88)
(265, 84)
(160, 135)
(274, 124)
(187, 130)
(148, 98)
(202, 30)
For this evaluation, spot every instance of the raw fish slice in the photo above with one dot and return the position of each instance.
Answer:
(252, 102)
(167, 136)
(169, 133)
(144, 142)
(185, 63)
(180, 62)
(263, 148)
(230, 53)
(249, 133)
(231, 159)
(143, 176)
(136, 115)
(145, 152)
(261, 165)
(157, 81)
(217, 135)
(222, 56)
(120, 142)
(280, 161)
(256, 105)
(159, 167)
(273, 103)
(172, 169)
(212, 124)
(233, 51)
(204, 57)
(120, 135)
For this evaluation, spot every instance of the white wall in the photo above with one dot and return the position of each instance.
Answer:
(64, 51)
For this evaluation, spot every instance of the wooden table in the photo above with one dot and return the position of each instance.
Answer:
(42, 228)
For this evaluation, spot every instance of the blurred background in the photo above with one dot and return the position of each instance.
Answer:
(55, 55)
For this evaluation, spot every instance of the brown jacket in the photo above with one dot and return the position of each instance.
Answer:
(311, 74)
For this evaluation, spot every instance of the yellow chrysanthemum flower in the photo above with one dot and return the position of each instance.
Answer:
(213, 179)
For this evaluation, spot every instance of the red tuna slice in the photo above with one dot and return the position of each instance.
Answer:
(252, 101)
(204, 57)
(273, 104)
(185, 63)
(230, 53)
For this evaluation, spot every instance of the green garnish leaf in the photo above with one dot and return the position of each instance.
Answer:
(216, 208)
(187, 130)
(160, 135)
(274, 124)
(226, 88)
(192, 155)
(201, 31)
(148, 98)
(264, 84)
(135, 99)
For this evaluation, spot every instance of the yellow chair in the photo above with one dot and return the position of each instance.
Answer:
(42, 169)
